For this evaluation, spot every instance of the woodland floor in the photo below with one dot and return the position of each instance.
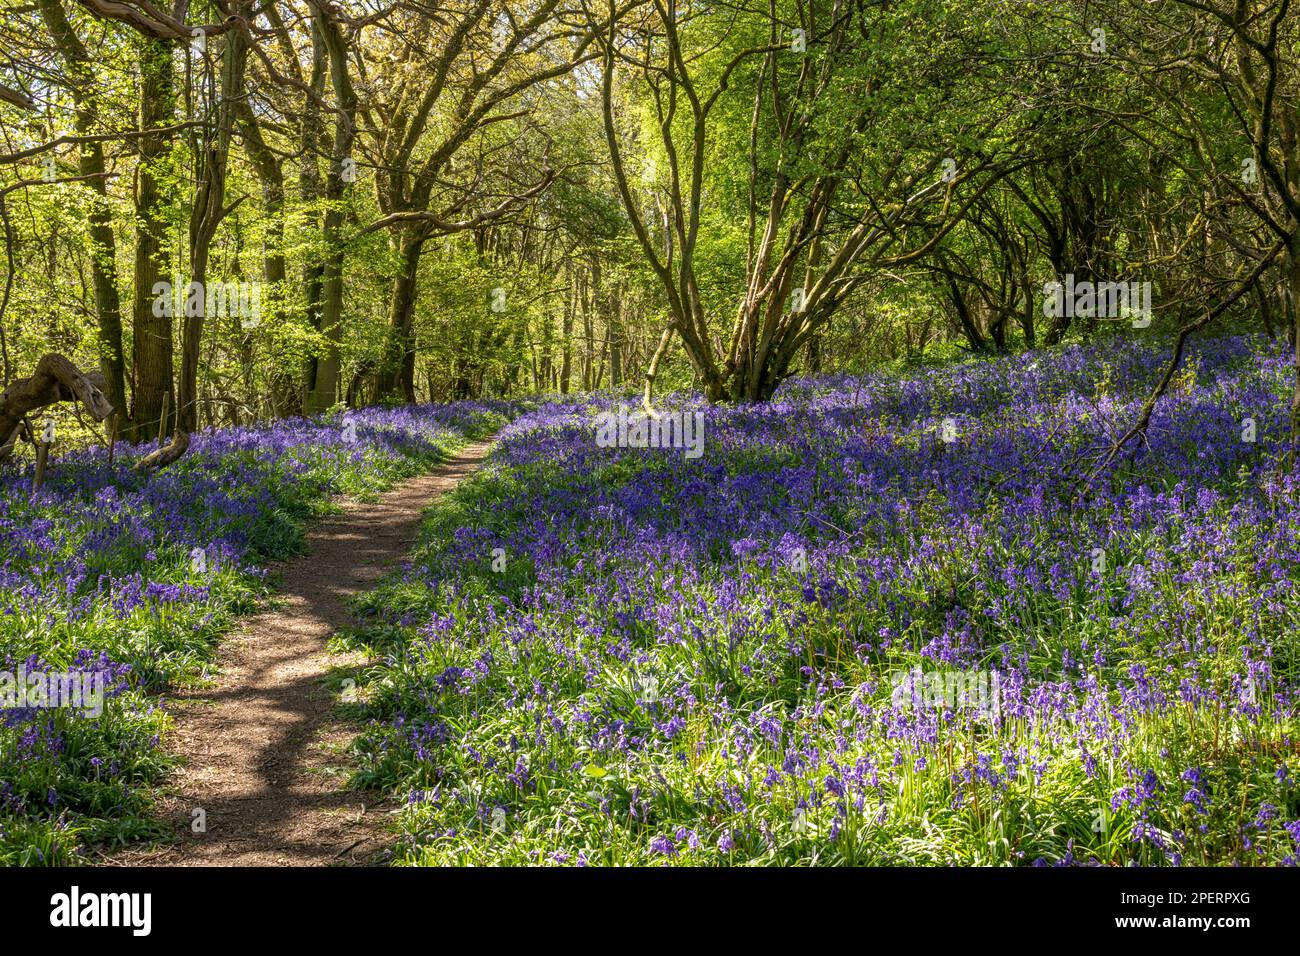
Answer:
(265, 745)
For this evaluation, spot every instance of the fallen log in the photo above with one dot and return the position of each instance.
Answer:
(54, 380)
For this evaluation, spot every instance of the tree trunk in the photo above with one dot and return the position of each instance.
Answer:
(311, 189)
(566, 332)
(1293, 322)
(152, 346)
(103, 244)
(284, 393)
(329, 363)
(614, 332)
(208, 210)
(397, 371)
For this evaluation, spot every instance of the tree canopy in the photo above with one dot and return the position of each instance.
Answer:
(232, 210)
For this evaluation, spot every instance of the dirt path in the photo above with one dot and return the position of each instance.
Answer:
(265, 745)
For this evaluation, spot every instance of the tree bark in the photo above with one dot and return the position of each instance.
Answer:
(284, 393)
(398, 369)
(103, 245)
(566, 331)
(325, 388)
(152, 345)
(55, 379)
(310, 189)
(205, 217)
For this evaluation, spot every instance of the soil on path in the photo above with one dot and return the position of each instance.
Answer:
(264, 745)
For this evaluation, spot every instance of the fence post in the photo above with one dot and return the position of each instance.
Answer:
(42, 455)
(162, 422)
